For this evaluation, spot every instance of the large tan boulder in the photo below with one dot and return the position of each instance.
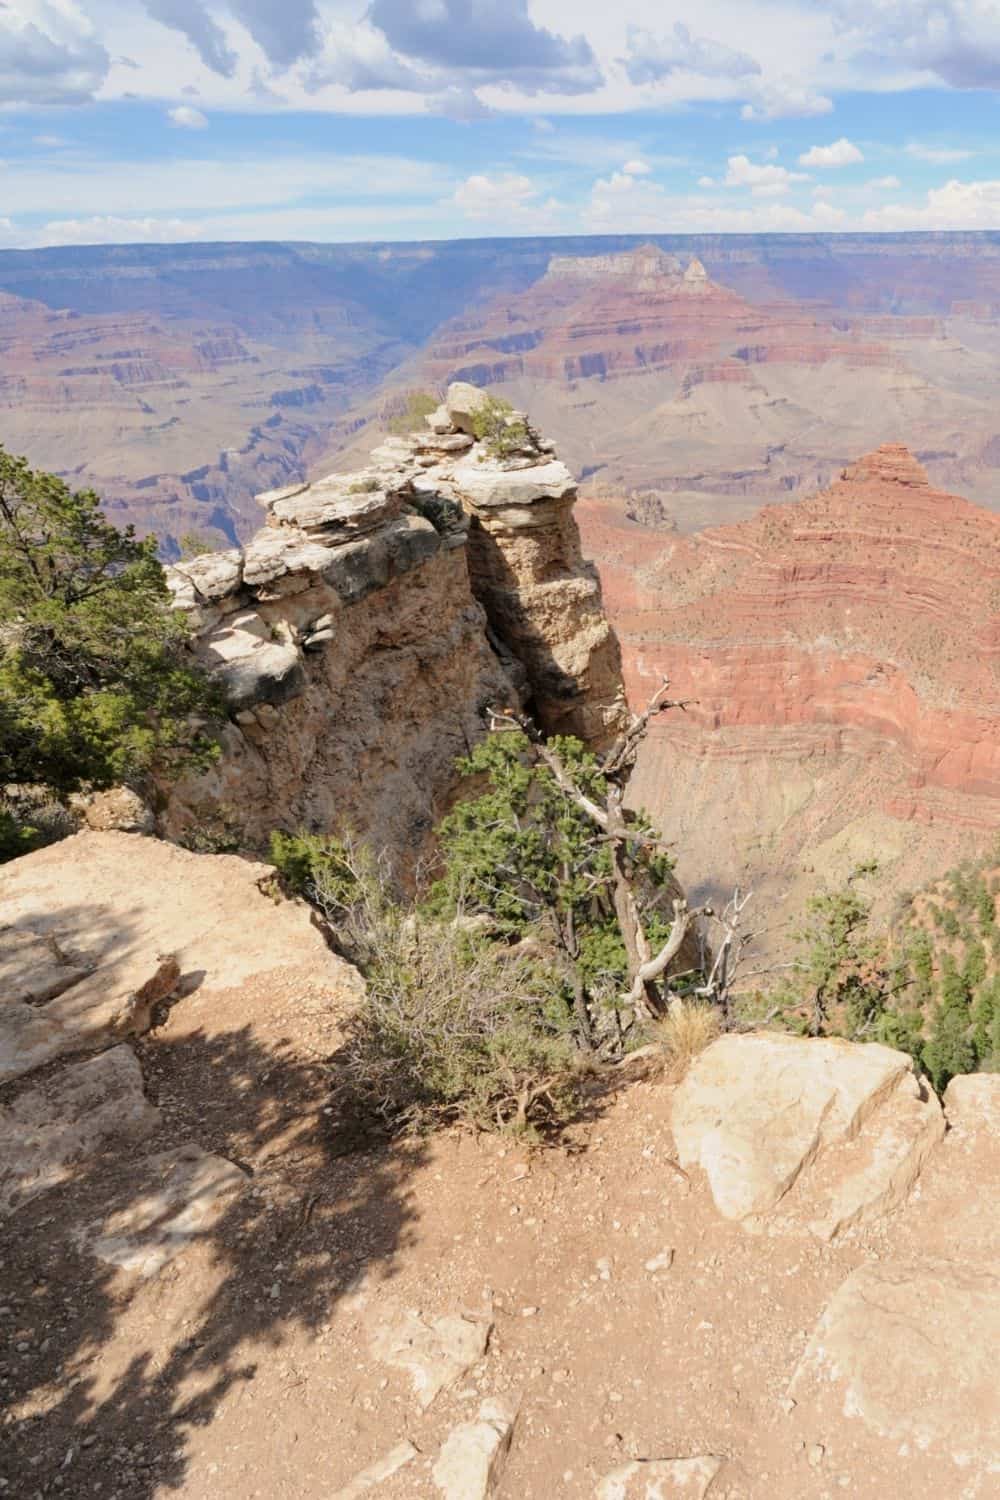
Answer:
(46, 1131)
(805, 1134)
(97, 930)
(972, 1104)
(462, 403)
(490, 485)
(910, 1348)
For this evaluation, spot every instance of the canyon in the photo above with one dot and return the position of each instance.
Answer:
(182, 380)
(841, 655)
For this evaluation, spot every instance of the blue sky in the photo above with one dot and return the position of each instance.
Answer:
(154, 120)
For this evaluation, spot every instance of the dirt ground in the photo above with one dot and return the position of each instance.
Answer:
(628, 1319)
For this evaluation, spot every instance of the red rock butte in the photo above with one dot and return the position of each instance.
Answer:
(607, 316)
(850, 639)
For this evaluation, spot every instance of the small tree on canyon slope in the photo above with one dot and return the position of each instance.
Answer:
(550, 850)
(95, 683)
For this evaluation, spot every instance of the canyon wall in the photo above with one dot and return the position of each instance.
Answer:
(363, 632)
(842, 655)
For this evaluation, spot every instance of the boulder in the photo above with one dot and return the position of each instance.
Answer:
(972, 1104)
(383, 1468)
(805, 1134)
(48, 1130)
(491, 484)
(171, 1200)
(473, 1454)
(33, 966)
(910, 1348)
(333, 508)
(277, 551)
(660, 1479)
(212, 575)
(97, 1010)
(252, 667)
(439, 419)
(434, 1352)
(462, 402)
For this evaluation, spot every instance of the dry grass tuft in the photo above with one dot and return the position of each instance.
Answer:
(686, 1031)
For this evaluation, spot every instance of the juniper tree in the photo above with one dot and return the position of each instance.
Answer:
(96, 684)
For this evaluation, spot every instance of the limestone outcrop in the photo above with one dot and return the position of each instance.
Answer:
(800, 1134)
(909, 1347)
(364, 630)
(95, 933)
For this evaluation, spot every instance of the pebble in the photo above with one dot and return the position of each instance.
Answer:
(816, 1455)
(661, 1262)
(528, 1312)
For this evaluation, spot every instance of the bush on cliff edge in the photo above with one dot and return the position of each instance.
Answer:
(96, 684)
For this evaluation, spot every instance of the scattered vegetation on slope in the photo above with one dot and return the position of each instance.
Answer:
(410, 417)
(930, 987)
(548, 943)
(96, 686)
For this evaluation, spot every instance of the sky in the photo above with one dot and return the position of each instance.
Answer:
(173, 120)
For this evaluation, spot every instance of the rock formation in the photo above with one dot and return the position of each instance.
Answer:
(84, 926)
(363, 632)
(842, 654)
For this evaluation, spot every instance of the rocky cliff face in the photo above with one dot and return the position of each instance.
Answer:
(364, 630)
(843, 653)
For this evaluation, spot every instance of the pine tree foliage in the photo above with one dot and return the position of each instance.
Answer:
(96, 685)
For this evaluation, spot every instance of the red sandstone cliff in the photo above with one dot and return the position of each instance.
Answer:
(844, 652)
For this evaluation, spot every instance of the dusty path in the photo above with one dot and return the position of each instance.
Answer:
(626, 1318)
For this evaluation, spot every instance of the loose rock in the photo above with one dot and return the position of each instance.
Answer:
(473, 1455)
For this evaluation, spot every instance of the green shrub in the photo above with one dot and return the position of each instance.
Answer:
(96, 684)
(418, 405)
(192, 544)
(496, 427)
(453, 1025)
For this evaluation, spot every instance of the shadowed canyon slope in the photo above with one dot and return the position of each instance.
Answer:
(844, 655)
(181, 380)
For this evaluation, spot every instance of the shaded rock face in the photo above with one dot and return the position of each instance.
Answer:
(85, 926)
(362, 634)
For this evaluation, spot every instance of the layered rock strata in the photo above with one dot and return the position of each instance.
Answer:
(841, 655)
(363, 632)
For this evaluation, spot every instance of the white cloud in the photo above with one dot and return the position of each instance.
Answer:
(957, 205)
(628, 205)
(106, 229)
(649, 59)
(957, 41)
(764, 179)
(886, 183)
(785, 100)
(842, 153)
(483, 197)
(637, 168)
(187, 118)
(938, 156)
(48, 56)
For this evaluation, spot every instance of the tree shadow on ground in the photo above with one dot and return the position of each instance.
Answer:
(105, 1374)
